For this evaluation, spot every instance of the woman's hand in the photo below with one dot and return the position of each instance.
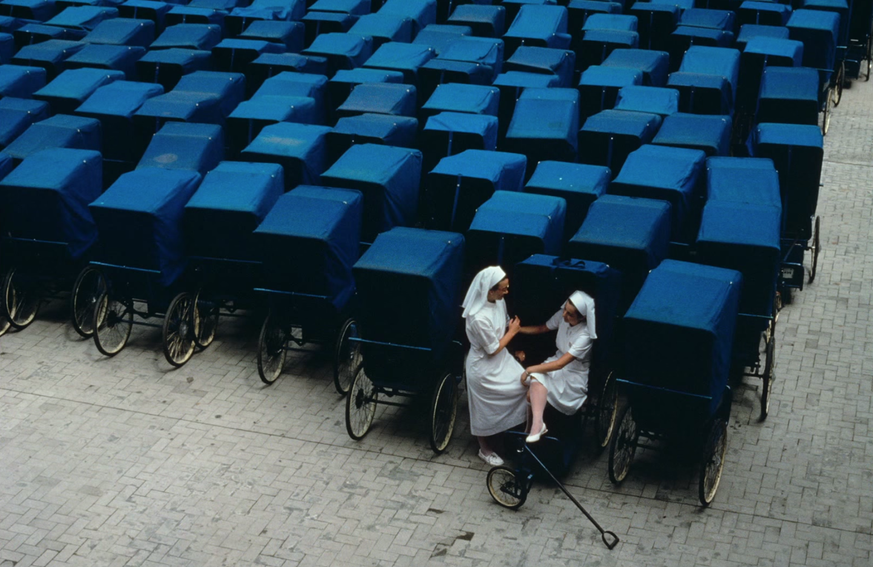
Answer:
(524, 377)
(514, 325)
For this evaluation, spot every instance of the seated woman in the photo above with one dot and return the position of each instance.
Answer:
(562, 379)
(496, 398)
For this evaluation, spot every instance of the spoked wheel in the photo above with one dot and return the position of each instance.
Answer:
(767, 377)
(826, 119)
(869, 58)
(4, 324)
(112, 324)
(506, 488)
(816, 248)
(205, 321)
(347, 357)
(360, 405)
(443, 411)
(607, 408)
(712, 463)
(837, 91)
(271, 349)
(20, 300)
(179, 325)
(87, 289)
(623, 446)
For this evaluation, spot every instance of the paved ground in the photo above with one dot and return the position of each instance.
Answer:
(124, 461)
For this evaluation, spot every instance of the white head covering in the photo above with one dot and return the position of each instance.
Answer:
(477, 295)
(584, 304)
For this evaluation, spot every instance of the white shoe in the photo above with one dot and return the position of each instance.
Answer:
(493, 459)
(534, 437)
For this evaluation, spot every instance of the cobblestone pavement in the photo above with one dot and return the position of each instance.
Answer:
(125, 461)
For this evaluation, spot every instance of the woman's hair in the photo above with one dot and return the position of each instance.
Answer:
(496, 286)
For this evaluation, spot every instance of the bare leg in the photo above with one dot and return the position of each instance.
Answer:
(537, 405)
(485, 445)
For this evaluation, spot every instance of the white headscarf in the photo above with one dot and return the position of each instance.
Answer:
(584, 304)
(477, 295)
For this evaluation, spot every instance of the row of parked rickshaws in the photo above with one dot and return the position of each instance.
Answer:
(345, 237)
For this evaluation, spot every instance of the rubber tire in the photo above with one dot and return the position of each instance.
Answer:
(347, 357)
(816, 248)
(5, 325)
(107, 317)
(89, 285)
(607, 410)
(271, 349)
(838, 84)
(712, 461)
(623, 442)
(178, 330)
(206, 320)
(443, 412)
(505, 487)
(826, 119)
(20, 306)
(360, 405)
(767, 378)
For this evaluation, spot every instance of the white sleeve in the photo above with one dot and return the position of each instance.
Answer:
(555, 321)
(581, 347)
(482, 335)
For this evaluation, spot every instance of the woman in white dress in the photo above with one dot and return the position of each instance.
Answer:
(496, 398)
(562, 379)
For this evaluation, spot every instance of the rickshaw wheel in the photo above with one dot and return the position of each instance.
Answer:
(623, 446)
(826, 118)
(179, 326)
(443, 411)
(607, 408)
(205, 320)
(767, 378)
(112, 324)
(838, 84)
(4, 324)
(271, 349)
(816, 247)
(20, 302)
(506, 488)
(83, 301)
(360, 405)
(347, 357)
(712, 463)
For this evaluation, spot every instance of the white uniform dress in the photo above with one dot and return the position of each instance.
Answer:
(568, 387)
(496, 397)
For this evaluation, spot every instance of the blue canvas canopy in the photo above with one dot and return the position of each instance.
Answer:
(752, 181)
(384, 129)
(578, 12)
(299, 148)
(712, 134)
(404, 57)
(114, 106)
(717, 61)
(629, 234)
(342, 50)
(449, 133)
(46, 198)
(538, 26)
(356, 7)
(51, 55)
(6, 165)
(389, 178)
(16, 116)
(69, 89)
(409, 286)
(21, 81)
(545, 125)
(703, 93)
(309, 242)
(598, 87)
(250, 116)
(383, 28)
(121, 58)
(750, 31)
(797, 153)
(59, 131)
(652, 100)
(780, 52)
(559, 62)
(440, 37)
(422, 12)
(231, 202)
(341, 84)
(84, 18)
(139, 220)
(510, 226)
(189, 146)
(203, 96)
(31, 33)
(301, 84)
(578, 184)
(684, 37)
(146, 10)
(595, 45)
(485, 21)
(819, 31)
(842, 9)
(458, 97)
(380, 98)
(287, 34)
(123, 31)
(709, 18)
(167, 66)
(460, 183)
(674, 175)
(269, 64)
(278, 10)
(474, 60)
(234, 55)
(40, 10)
(188, 15)
(189, 36)
(770, 14)
(608, 137)
(653, 64)
(620, 22)
(679, 332)
(789, 95)
(656, 21)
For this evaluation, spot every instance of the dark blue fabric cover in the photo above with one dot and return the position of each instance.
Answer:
(819, 31)
(502, 170)
(754, 181)
(610, 22)
(388, 177)
(146, 10)
(750, 31)
(653, 64)
(479, 50)
(6, 165)
(578, 184)
(483, 127)
(16, 116)
(683, 36)
(724, 20)
(560, 62)
(299, 148)
(188, 146)
(840, 7)
(712, 134)
(178, 60)
(388, 27)
(534, 217)
(609, 136)
(285, 10)
(123, 31)
(409, 291)
(288, 34)
(69, 89)
(40, 10)
(655, 100)
(703, 93)
(772, 14)
(458, 97)
(229, 205)
(7, 48)
(545, 115)
(114, 57)
(661, 172)
(440, 37)
(310, 240)
(538, 25)
(679, 332)
(203, 96)
(46, 198)
(356, 7)
(720, 61)
(181, 14)
(49, 54)
(139, 219)
(489, 21)
(348, 50)
(784, 49)
(59, 131)
(287, 83)
(387, 129)
(82, 17)
(640, 125)
(380, 98)
(520, 80)
(189, 36)
(788, 83)
(600, 76)
(422, 12)
(403, 57)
